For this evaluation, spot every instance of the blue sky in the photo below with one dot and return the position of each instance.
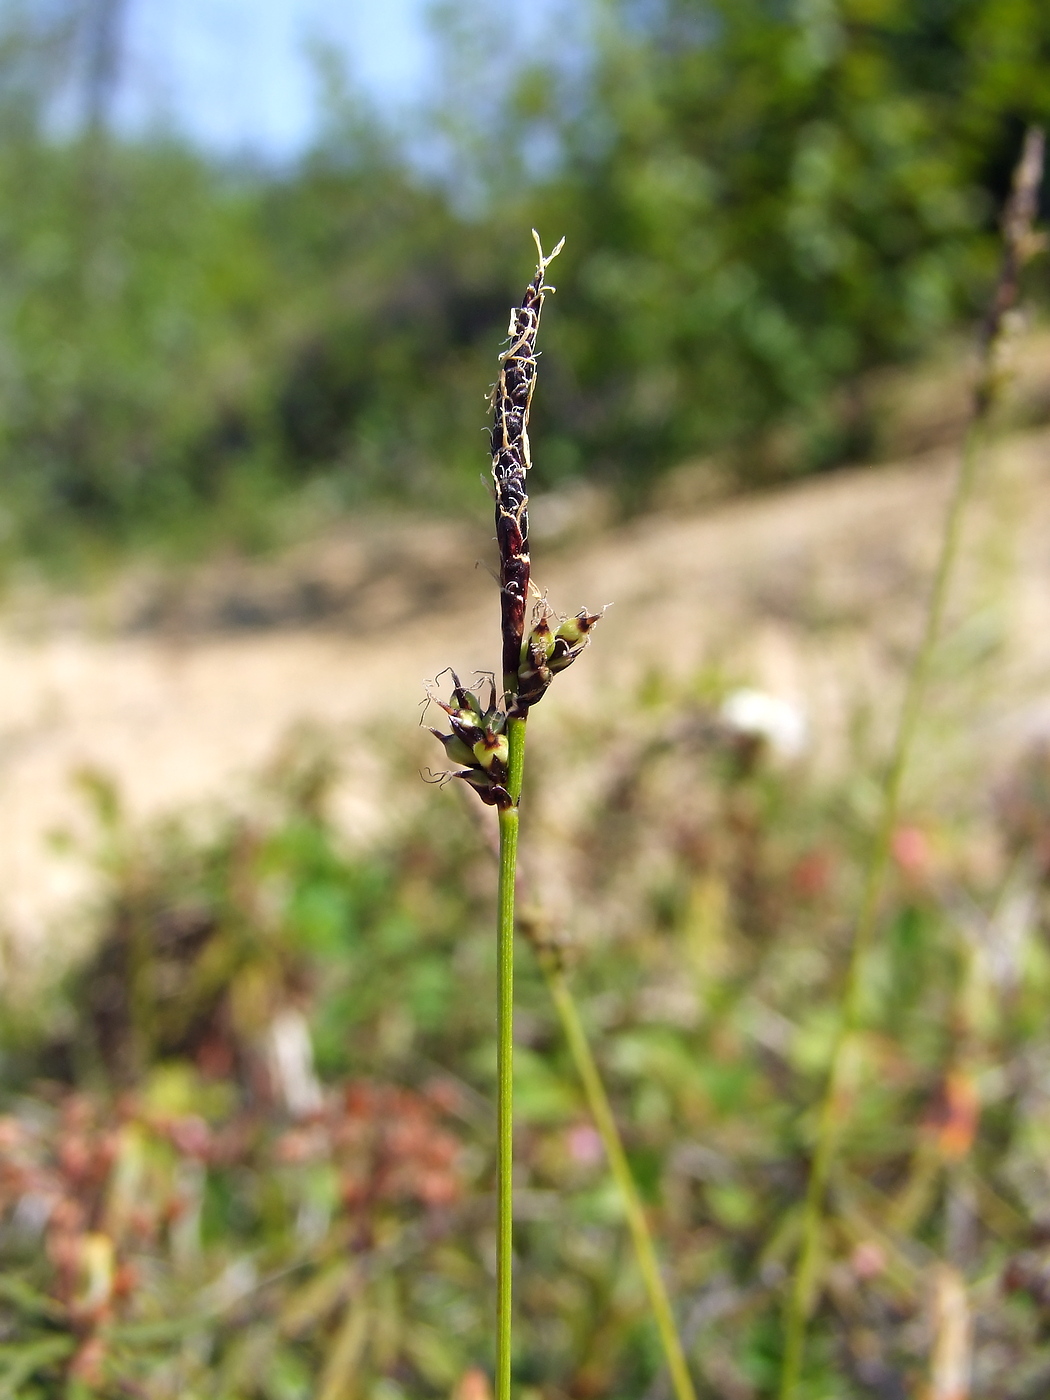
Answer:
(236, 73)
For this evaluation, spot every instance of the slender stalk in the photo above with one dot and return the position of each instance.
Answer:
(489, 738)
(601, 1111)
(1017, 242)
(508, 859)
(801, 1295)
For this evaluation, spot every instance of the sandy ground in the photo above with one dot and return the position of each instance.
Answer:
(811, 592)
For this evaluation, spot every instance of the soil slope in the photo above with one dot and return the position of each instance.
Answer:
(180, 694)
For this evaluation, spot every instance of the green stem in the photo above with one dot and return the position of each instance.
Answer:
(508, 860)
(601, 1111)
(801, 1296)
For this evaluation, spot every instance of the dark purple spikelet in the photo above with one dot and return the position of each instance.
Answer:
(511, 400)
(534, 652)
(478, 742)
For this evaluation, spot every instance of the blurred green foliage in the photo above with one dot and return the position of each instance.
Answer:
(762, 200)
(194, 1204)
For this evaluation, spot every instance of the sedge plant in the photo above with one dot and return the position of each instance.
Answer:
(487, 738)
(1019, 242)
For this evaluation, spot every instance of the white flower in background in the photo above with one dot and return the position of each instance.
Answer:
(291, 1055)
(755, 714)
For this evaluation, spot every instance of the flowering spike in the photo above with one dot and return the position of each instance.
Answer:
(511, 401)
(530, 659)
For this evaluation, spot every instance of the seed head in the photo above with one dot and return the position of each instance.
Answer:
(511, 460)
(478, 741)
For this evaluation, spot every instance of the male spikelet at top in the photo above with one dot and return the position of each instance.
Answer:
(529, 661)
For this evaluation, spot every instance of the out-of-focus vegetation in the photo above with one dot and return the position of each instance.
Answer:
(761, 202)
(191, 1203)
(246, 1144)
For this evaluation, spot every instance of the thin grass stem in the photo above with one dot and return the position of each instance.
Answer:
(800, 1296)
(601, 1111)
(508, 859)
(1017, 246)
(488, 739)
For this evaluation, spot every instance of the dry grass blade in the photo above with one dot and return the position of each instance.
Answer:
(1018, 244)
(342, 1363)
(953, 1336)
